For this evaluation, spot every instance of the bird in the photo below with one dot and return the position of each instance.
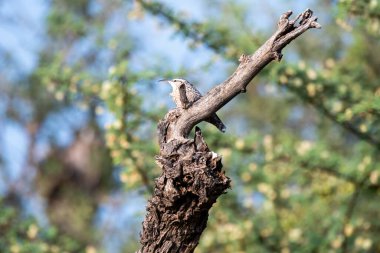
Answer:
(191, 95)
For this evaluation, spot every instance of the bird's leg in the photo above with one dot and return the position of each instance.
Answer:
(187, 106)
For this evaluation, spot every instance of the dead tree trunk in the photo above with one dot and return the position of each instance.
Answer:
(192, 178)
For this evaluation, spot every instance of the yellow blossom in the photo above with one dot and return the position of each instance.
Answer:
(225, 152)
(15, 248)
(32, 231)
(289, 71)
(301, 65)
(363, 128)
(348, 114)
(295, 234)
(123, 177)
(266, 232)
(304, 147)
(311, 89)
(252, 167)
(59, 95)
(54, 249)
(90, 249)
(246, 176)
(337, 242)
(367, 160)
(239, 144)
(374, 177)
(117, 124)
(285, 250)
(337, 106)
(124, 144)
(363, 243)
(285, 193)
(325, 154)
(119, 101)
(110, 139)
(263, 187)
(348, 230)
(133, 178)
(297, 82)
(268, 142)
(115, 154)
(283, 79)
(311, 74)
(342, 89)
(106, 87)
(330, 63)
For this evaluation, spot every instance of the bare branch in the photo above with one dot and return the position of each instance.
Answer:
(192, 178)
(248, 68)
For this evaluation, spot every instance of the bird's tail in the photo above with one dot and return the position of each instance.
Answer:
(216, 121)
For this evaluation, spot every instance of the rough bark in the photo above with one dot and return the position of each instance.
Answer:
(192, 178)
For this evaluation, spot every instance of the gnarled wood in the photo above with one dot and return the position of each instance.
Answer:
(191, 181)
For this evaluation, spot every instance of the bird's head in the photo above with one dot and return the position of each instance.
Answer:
(175, 83)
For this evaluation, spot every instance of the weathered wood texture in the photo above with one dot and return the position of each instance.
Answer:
(192, 178)
(191, 181)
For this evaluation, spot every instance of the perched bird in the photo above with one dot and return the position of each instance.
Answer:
(185, 94)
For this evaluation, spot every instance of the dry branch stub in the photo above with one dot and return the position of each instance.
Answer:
(191, 181)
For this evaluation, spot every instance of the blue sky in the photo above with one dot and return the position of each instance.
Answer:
(22, 30)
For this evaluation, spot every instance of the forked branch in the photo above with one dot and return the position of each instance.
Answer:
(249, 67)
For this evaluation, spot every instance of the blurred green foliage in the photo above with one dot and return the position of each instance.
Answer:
(304, 158)
(368, 12)
(28, 237)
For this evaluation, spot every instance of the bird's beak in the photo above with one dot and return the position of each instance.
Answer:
(163, 80)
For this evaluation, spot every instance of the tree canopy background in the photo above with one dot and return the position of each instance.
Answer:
(79, 103)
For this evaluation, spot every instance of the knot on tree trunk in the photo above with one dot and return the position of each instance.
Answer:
(191, 181)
